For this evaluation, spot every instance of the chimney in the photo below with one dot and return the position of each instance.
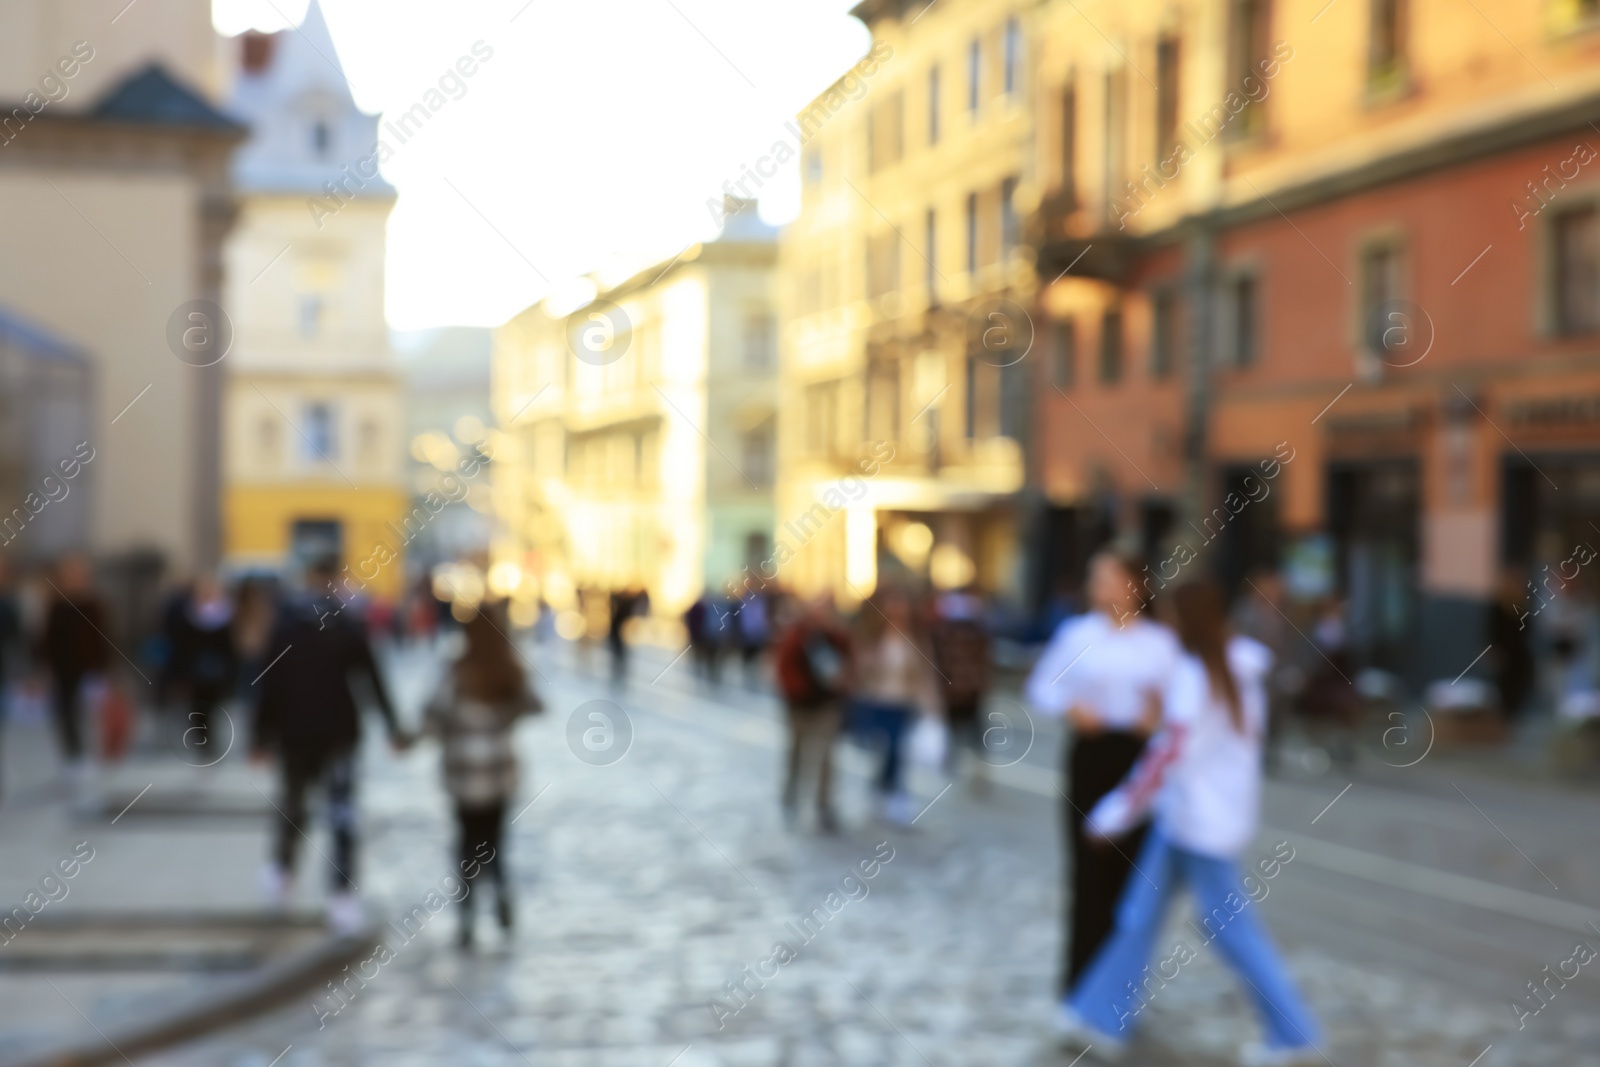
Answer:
(257, 51)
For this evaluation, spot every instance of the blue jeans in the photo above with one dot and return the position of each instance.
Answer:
(1119, 981)
(871, 719)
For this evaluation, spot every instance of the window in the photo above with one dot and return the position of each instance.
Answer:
(974, 374)
(1064, 355)
(1247, 50)
(1244, 329)
(1576, 240)
(755, 455)
(1380, 284)
(317, 431)
(1116, 132)
(885, 133)
(1163, 333)
(972, 233)
(933, 106)
(760, 340)
(321, 138)
(311, 309)
(1010, 231)
(813, 166)
(974, 74)
(1111, 346)
(1166, 96)
(930, 246)
(883, 264)
(1013, 401)
(1069, 144)
(822, 413)
(267, 438)
(1013, 54)
(1386, 45)
(883, 400)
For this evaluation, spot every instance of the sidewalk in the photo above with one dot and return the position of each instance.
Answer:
(124, 912)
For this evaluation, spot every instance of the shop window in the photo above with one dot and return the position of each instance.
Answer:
(1167, 52)
(1111, 346)
(1576, 239)
(1163, 333)
(1064, 355)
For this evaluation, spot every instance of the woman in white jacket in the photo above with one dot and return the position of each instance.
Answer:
(1202, 776)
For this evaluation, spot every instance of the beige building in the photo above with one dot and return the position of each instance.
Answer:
(905, 280)
(638, 427)
(314, 423)
(114, 170)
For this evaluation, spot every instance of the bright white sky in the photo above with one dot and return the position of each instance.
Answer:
(592, 139)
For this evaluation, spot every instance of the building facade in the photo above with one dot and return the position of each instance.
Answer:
(314, 447)
(1330, 299)
(906, 289)
(638, 423)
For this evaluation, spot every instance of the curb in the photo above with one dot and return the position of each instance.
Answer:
(270, 986)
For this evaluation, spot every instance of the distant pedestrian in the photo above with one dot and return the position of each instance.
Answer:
(961, 653)
(472, 712)
(1330, 703)
(1103, 671)
(204, 662)
(812, 663)
(894, 680)
(704, 621)
(1202, 778)
(74, 649)
(753, 634)
(625, 604)
(309, 717)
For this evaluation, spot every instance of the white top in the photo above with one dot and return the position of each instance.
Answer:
(1105, 669)
(1210, 801)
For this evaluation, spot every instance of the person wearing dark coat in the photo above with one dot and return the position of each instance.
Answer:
(73, 646)
(205, 663)
(308, 715)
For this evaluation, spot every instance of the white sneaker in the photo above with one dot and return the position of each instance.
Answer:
(1076, 1033)
(345, 914)
(899, 809)
(1256, 1054)
(276, 884)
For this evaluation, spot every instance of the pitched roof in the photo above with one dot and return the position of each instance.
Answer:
(153, 96)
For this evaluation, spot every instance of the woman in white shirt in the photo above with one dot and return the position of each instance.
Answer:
(1202, 777)
(1103, 671)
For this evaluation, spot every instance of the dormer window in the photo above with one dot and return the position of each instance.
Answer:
(320, 137)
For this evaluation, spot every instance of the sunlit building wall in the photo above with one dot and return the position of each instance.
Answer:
(905, 421)
(313, 421)
(1359, 234)
(648, 462)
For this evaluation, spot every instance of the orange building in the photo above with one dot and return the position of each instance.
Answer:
(1358, 243)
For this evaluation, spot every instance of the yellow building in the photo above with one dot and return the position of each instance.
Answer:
(638, 421)
(905, 280)
(314, 455)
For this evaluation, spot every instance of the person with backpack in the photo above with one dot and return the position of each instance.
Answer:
(812, 661)
(1202, 777)
(309, 716)
(472, 712)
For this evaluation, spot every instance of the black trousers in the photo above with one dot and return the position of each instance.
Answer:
(68, 708)
(1097, 872)
(335, 771)
(482, 829)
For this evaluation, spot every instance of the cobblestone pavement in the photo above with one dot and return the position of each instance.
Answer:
(646, 884)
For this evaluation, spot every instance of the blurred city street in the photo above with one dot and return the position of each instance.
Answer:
(645, 884)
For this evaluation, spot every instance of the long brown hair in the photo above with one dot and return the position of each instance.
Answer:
(488, 669)
(1202, 624)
